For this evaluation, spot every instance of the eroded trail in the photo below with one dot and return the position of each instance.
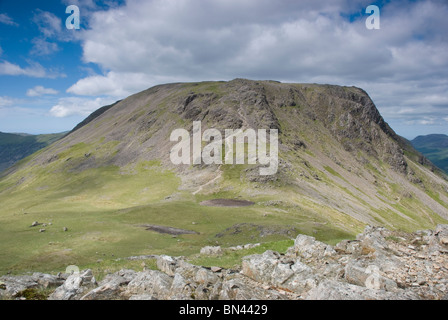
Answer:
(209, 182)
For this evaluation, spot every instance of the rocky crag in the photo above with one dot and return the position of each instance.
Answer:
(380, 264)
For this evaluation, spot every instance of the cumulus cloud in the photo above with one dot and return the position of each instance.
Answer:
(118, 84)
(34, 70)
(78, 106)
(39, 91)
(402, 66)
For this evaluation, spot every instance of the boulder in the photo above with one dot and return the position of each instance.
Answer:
(150, 282)
(369, 277)
(373, 240)
(12, 286)
(167, 264)
(308, 247)
(298, 277)
(206, 277)
(211, 251)
(47, 281)
(181, 288)
(108, 291)
(238, 289)
(76, 285)
(110, 288)
(260, 267)
(268, 268)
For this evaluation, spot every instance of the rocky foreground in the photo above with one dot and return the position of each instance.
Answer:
(379, 264)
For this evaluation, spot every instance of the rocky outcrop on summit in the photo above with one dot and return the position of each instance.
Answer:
(380, 264)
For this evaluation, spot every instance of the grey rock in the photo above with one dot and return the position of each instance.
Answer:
(260, 267)
(142, 297)
(108, 291)
(441, 232)
(308, 247)
(216, 269)
(47, 280)
(167, 264)
(267, 269)
(299, 278)
(181, 288)
(14, 285)
(369, 277)
(204, 276)
(336, 290)
(348, 247)
(76, 285)
(237, 289)
(211, 251)
(373, 239)
(111, 286)
(151, 282)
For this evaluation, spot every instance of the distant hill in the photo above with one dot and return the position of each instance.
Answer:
(435, 148)
(16, 146)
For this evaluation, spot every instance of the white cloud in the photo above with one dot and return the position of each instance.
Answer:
(50, 27)
(34, 70)
(403, 65)
(291, 41)
(4, 18)
(43, 47)
(48, 23)
(78, 106)
(6, 101)
(39, 91)
(118, 84)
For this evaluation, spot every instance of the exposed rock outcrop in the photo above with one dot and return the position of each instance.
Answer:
(380, 264)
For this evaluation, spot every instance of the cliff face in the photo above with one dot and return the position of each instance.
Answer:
(340, 165)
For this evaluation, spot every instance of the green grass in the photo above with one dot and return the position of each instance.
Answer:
(15, 147)
(104, 219)
(232, 259)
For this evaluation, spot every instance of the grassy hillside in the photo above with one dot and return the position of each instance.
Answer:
(435, 148)
(14, 147)
(341, 167)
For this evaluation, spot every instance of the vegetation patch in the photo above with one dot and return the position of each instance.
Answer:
(226, 203)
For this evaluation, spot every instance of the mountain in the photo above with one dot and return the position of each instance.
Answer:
(435, 148)
(109, 188)
(14, 147)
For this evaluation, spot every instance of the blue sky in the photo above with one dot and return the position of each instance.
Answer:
(52, 77)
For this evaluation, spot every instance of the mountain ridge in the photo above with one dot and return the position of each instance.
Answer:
(435, 148)
(16, 146)
(341, 167)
